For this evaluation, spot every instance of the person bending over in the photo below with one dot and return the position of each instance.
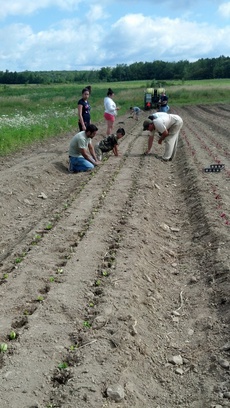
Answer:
(167, 126)
(135, 111)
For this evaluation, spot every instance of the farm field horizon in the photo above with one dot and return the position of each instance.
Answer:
(31, 113)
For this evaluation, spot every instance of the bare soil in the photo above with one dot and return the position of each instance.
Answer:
(119, 276)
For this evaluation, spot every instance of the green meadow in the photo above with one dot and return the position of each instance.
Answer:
(31, 113)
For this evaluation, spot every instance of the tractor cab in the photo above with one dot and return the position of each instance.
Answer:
(148, 101)
(151, 98)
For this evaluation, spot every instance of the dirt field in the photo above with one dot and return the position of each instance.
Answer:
(117, 282)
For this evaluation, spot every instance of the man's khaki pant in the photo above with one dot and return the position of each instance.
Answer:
(171, 140)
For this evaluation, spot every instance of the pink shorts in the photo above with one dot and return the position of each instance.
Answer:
(109, 117)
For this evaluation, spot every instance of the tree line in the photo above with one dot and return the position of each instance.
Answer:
(204, 68)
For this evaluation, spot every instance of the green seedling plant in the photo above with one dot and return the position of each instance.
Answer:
(91, 304)
(48, 227)
(63, 365)
(105, 273)
(5, 276)
(36, 239)
(12, 335)
(60, 270)
(52, 279)
(3, 347)
(20, 258)
(98, 282)
(67, 256)
(86, 324)
(40, 298)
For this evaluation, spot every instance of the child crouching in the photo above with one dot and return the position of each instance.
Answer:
(109, 143)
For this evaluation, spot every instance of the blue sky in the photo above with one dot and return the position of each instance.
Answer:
(90, 34)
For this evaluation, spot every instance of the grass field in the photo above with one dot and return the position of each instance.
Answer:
(36, 112)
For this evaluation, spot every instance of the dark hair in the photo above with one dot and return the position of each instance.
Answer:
(110, 92)
(121, 130)
(91, 128)
(89, 87)
(85, 90)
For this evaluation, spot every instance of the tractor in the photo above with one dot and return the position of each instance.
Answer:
(151, 98)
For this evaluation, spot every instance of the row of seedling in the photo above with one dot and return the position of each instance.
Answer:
(217, 195)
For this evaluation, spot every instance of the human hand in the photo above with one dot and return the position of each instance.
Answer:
(160, 141)
(97, 163)
(146, 152)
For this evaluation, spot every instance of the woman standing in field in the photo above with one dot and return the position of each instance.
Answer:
(110, 111)
(84, 110)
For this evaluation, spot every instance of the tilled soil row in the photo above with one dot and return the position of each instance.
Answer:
(126, 288)
(36, 189)
(73, 224)
(52, 256)
(203, 153)
(151, 308)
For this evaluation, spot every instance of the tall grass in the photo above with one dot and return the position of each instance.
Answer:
(36, 112)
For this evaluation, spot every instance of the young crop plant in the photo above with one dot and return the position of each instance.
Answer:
(98, 282)
(3, 347)
(19, 259)
(105, 273)
(86, 324)
(63, 365)
(36, 239)
(12, 335)
(40, 298)
(49, 226)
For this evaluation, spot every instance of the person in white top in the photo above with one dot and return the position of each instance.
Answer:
(110, 111)
(168, 127)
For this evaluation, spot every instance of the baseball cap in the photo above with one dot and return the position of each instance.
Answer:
(146, 124)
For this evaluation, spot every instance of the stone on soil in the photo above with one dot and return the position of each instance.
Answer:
(116, 392)
(176, 360)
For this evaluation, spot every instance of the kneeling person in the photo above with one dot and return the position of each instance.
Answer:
(109, 143)
(82, 155)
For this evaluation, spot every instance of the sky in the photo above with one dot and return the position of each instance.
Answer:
(45, 35)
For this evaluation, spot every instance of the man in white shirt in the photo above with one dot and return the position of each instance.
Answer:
(82, 156)
(168, 127)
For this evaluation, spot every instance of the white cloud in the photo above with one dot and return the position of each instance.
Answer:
(96, 12)
(27, 7)
(86, 43)
(224, 10)
(181, 40)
